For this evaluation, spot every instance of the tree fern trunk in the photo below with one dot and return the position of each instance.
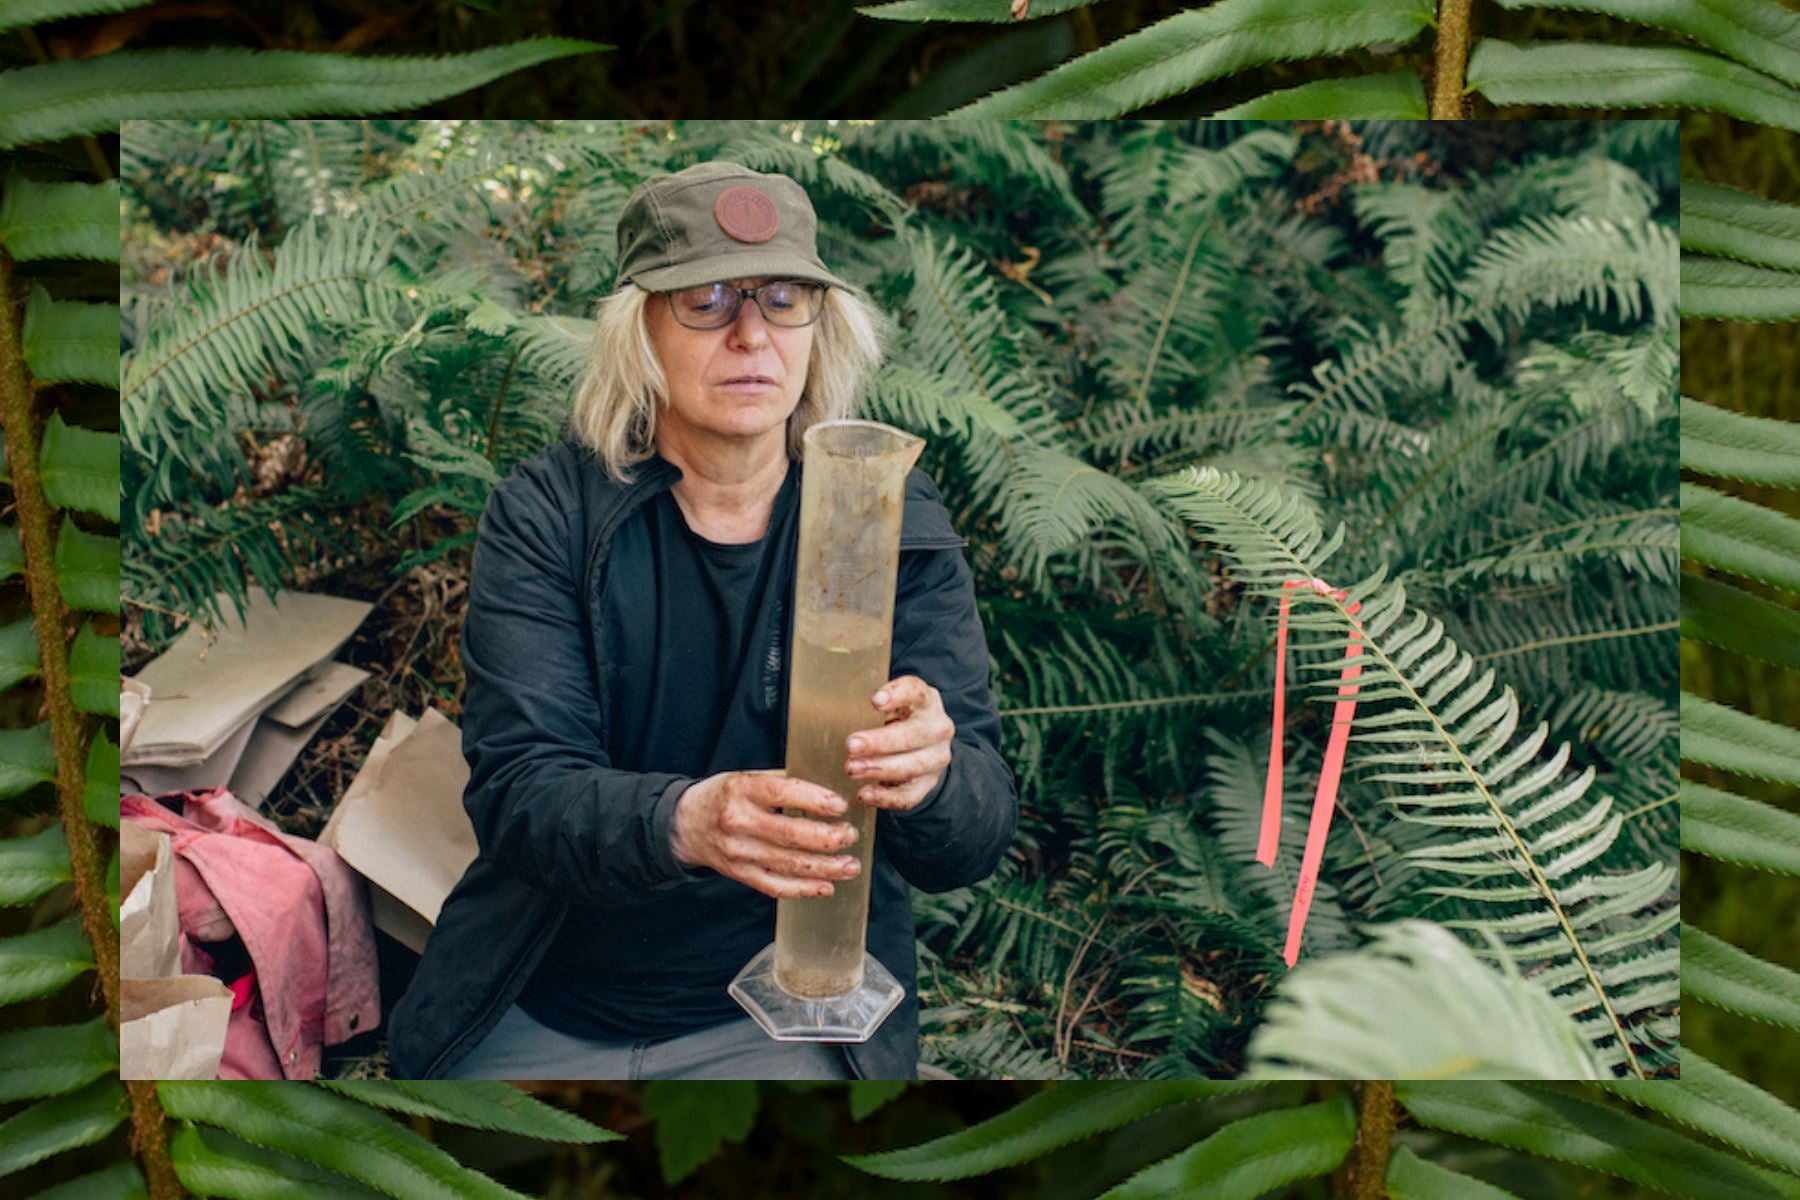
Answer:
(1452, 56)
(68, 734)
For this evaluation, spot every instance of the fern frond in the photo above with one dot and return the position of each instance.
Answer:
(1414, 1003)
(239, 323)
(1436, 731)
(1733, 223)
(1755, 32)
(1181, 52)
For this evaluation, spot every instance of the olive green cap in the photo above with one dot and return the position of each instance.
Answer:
(716, 221)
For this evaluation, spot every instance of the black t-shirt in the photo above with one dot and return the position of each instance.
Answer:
(656, 964)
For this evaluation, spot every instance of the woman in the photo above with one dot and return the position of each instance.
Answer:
(626, 655)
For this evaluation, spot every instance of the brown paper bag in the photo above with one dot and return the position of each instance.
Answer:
(149, 922)
(172, 1028)
(401, 823)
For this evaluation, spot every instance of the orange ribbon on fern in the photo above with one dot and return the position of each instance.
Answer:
(1325, 799)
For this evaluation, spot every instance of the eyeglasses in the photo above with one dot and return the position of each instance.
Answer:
(787, 302)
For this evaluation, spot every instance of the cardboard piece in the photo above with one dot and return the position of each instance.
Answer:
(401, 823)
(134, 694)
(316, 695)
(149, 922)
(213, 771)
(208, 689)
(172, 1028)
(278, 740)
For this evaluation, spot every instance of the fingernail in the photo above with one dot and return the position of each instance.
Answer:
(856, 743)
(881, 697)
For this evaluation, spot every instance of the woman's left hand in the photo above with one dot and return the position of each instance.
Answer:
(904, 759)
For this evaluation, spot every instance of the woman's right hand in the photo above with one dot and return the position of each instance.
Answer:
(732, 822)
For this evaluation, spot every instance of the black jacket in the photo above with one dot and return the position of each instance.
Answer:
(557, 823)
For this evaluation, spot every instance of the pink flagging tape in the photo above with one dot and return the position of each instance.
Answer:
(1325, 799)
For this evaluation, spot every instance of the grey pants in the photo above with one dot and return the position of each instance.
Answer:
(522, 1048)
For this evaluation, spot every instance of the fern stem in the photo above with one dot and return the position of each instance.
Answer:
(1575, 639)
(500, 403)
(1063, 710)
(1452, 60)
(1175, 294)
(1671, 798)
(1366, 1168)
(67, 735)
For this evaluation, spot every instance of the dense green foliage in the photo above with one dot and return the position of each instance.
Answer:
(1162, 368)
(88, 63)
(78, 95)
(1747, 66)
(1740, 834)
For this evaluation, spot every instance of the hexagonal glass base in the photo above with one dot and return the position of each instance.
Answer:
(852, 1017)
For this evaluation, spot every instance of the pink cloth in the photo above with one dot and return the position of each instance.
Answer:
(303, 916)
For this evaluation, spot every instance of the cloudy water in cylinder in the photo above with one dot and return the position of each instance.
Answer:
(840, 661)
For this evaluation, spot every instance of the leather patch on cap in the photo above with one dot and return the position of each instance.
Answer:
(746, 214)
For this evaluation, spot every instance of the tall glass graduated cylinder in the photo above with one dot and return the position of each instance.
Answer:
(851, 498)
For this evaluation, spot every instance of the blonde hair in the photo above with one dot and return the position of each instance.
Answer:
(616, 406)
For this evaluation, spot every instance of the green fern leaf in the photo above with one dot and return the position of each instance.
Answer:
(37, 12)
(67, 341)
(1415, 1004)
(1252, 1156)
(1717, 972)
(479, 1105)
(1047, 1120)
(869, 1095)
(43, 961)
(80, 467)
(1738, 742)
(94, 672)
(1715, 1102)
(1591, 75)
(87, 569)
(1738, 536)
(1395, 95)
(78, 96)
(693, 1120)
(210, 1162)
(1738, 829)
(329, 1131)
(1410, 1177)
(1735, 224)
(64, 1122)
(19, 652)
(50, 1060)
(121, 1181)
(1717, 441)
(1724, 289)
(32, 865)
(59, 220)
(1182, 52)
(27, 758)
(998, 12)
(12, 554)
(1758, 33)
(1731, 618)
(99, 796)
(1570, 1129)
